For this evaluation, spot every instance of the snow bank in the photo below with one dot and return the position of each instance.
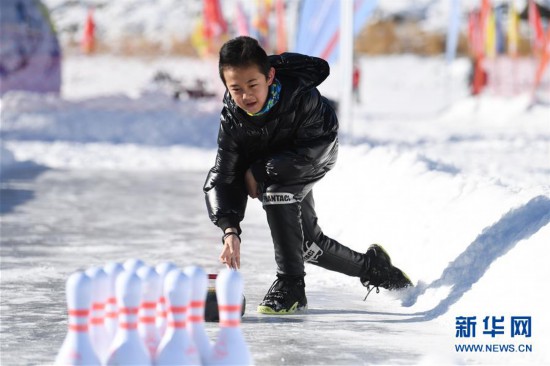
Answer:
(7, 159)
(395, 197)
(108, 156)
(151, 119)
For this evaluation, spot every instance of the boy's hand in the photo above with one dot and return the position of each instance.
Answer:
(251, 184)
(231, 252)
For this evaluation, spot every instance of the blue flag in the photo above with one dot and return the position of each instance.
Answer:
(453, 31)
(319, 26)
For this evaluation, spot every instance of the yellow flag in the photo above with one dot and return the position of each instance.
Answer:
(490, 35)
(513, 30)
(199, 42)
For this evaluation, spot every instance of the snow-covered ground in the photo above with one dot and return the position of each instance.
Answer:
(456, 189)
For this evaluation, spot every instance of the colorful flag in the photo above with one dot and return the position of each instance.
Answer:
(453, 31)
(214, 23)
(484, 15)
(473, 26)
(476, 34)
(490, 34)
(88, 37)
(543, 63)
(513, 30)
(241, 20)
(319, 24)
(480, 77)
(260, 23)
(537, 38)
(500, 37)
(484, 12)
(281, 26)
(198, 40)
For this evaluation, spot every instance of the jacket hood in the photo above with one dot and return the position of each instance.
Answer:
(308, 71)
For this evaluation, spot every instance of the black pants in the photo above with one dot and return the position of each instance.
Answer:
(298, 238)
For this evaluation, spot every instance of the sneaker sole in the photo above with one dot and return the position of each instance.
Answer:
(293, 310)
(409, 284)
(407, 280)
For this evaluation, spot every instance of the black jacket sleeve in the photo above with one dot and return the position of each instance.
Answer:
(224, 188)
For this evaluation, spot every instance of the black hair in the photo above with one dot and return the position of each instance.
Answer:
(243, 51)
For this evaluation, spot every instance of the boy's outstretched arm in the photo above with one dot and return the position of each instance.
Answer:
(224, 188)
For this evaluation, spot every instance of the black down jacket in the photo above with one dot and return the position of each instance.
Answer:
(293, 144)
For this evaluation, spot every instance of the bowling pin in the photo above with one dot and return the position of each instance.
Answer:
(127, 347)
(163, 269)
(195, 317)
(77, 348)
(177, 346)
(111, 310)
(133, 264)
(147, 327)
(230, 347)
(99, 335)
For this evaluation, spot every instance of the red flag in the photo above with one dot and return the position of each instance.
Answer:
(242, 21)
(88, 37)
(535, 22)
(281, 27)
(478, 27)
(480, 77)
(472, 28)
(476, 33)
(484, 13)
(214, 23)
(545, 60)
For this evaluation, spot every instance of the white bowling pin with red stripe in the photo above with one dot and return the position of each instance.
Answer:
(77, 348)
(99, 335)
(133, 264)
(163, 269)
(128, 347)
(147, 327)
(195, 314)
(177, 346)
(230, 347)
(111, 309)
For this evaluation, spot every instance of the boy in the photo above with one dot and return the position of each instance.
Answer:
(277, 138)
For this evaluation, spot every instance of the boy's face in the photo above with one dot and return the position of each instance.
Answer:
(248, 86)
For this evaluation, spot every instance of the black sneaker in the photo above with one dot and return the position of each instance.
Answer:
(381, 273)
(286, 296)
